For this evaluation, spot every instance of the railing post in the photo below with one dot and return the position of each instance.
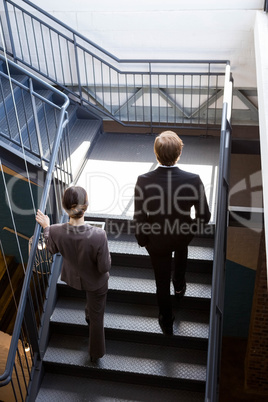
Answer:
(151, 98)
(10, 32)
(30, 324)
(38, 135)
(77, 69)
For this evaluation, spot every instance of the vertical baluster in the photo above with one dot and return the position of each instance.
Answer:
(53, 56)
(66, 131)
(191, 98)
(94, 77)
(119, 95)
(159, 99)
(135, 97)
(35, 45)
(86, 75)
(143, 94)
(47, 131)
(34, 294)
(26, 119)
(61, 61)
(110, 85)
(69, 63)
(127, 100)
(208, 93)
(199, 99)
(102, 86)
(27, 39)
(18, 33)
(167, 117)
(5, 108)
(175, 99)
(17, 380)
(183, 93)
(151, 97)
(216, 100)
(44, 48)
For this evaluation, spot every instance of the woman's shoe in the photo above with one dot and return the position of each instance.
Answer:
(167, 327)
(180, 293)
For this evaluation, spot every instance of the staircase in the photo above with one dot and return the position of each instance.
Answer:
(141, 363)
(84, 126)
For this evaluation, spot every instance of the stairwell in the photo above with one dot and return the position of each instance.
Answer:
(141, 363)
(17, 122)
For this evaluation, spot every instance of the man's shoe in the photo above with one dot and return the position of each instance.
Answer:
(180, 293)
(167, 328)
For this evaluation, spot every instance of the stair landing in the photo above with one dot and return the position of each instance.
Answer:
(111, 172)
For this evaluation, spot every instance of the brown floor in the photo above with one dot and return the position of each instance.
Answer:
(232, 378)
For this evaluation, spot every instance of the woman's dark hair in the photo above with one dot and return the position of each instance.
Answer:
(75, 201)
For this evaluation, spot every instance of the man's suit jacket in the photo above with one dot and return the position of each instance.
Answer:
(163, 201)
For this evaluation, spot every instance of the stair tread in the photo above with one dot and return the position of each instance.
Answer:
(141, 280)
(199, 248)
(129, 357)
(133, 317)
(56, 387)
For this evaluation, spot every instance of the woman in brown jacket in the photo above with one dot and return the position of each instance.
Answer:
(86, 261)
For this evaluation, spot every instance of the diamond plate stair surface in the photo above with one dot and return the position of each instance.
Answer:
(133, 322)
(135, 362)
(141, 363)
(57, 388)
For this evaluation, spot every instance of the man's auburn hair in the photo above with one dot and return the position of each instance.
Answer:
(75, 201)
(167, 148)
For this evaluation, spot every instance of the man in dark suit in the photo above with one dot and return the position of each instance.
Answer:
(163, 201)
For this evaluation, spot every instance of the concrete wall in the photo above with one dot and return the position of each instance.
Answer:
(261, 40)
(171, 29)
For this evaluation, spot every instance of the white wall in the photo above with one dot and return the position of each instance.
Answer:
(261, 41)
(181, 29)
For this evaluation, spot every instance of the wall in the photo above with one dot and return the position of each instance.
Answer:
(182, 29)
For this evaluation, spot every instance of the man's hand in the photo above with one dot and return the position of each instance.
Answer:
(42, 219)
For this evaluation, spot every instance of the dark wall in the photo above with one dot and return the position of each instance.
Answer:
(23, 219)
(239, 290)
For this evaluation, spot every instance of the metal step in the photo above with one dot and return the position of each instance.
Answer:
(135, 322)
(137, 285)
(129, 362)
(126, 251)
(57, 387)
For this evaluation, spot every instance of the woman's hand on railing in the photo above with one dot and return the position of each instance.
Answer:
(42, 219)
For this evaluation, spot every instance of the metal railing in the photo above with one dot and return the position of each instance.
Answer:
(29, 137)
(218, 278)
(147, 93)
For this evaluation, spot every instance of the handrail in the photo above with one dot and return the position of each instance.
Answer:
(217, 297)
(18, 234)
(5, 378)
(38, 80)
(113, 87)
